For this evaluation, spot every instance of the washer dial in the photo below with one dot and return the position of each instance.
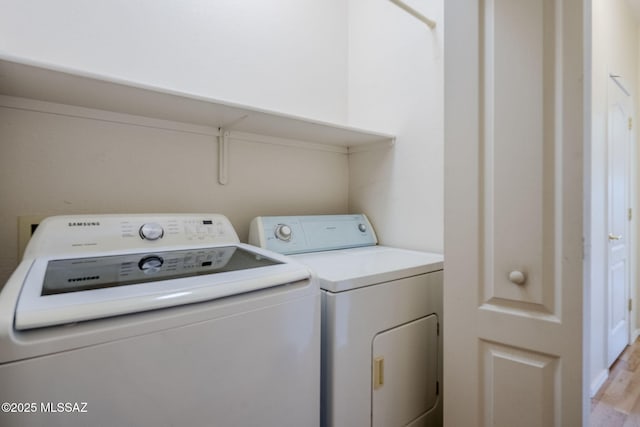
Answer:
(150, 264)
(151, 231)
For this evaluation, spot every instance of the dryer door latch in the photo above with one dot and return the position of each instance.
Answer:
(378, 372)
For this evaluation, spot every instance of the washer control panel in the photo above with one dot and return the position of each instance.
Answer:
(95, 233)
(313, 233)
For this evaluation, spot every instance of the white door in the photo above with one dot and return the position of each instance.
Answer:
(618, 218)
(514, 151)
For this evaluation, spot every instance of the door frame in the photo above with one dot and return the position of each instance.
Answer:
(618, 83)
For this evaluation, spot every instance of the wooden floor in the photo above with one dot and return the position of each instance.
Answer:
(617, 404)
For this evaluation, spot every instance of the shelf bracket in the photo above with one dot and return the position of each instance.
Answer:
(223, 156)
(402, 5)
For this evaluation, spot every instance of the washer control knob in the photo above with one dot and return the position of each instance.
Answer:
(150, 264)
(362, 227)
(151, 231)
(283, 232)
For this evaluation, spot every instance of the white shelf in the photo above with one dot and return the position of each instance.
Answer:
(24, 79)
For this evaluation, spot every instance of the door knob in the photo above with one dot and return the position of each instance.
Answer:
(615, 236)
(517, 277)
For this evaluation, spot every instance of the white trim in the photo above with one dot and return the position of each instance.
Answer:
(133, 120)
(598, 382)
(264, 139)
(373, 146)
(102, 115)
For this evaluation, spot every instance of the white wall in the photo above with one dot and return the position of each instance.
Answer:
(615, 50)
(283, 55)
(52, 164)
(367, 64)
(396, 85)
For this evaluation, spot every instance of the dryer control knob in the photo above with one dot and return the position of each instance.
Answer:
(151, 231)
(283, 232)
(362, 227)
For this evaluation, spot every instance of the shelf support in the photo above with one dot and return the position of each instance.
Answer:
(402, 5)
(619, 81)
(223, 156)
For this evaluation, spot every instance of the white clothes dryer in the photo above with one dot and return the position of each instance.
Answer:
(381, 319)
(157, 320)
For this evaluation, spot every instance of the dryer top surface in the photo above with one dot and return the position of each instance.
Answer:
(346, 269)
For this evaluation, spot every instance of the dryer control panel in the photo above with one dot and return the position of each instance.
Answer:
(311, 233)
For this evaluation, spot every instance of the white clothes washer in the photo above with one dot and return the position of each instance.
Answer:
(381, 319)
(157, 320)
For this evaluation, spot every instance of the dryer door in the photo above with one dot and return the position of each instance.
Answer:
(405, 373)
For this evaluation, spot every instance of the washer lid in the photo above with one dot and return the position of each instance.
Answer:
(346, 269)
(57, 291)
